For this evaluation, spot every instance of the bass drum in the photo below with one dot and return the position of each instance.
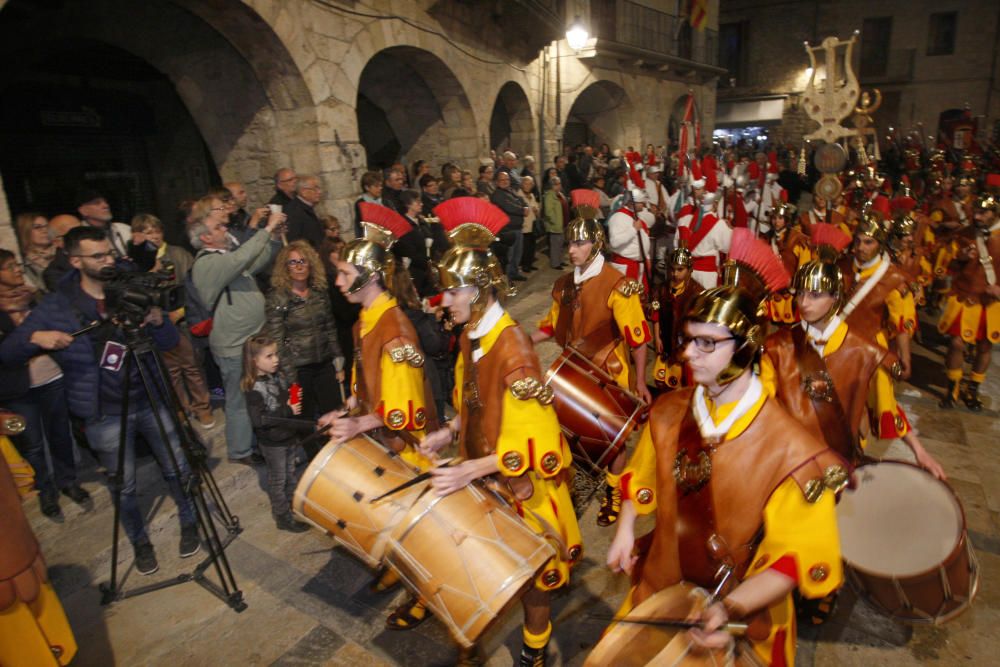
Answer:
(904, 541)
(596, 415)
(336, 490)
(468, 555)
(638, 644)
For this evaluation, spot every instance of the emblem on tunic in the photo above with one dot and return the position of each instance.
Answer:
(692, 475)
(550, 463)
(575, 552)
(814, 490)
(630, 287)
(819, 572)
(407, 353)
(395, 418)
(644, 496)
(420, 418)
(835, 478)
(512, 461)
(551, 578)
(527, 388)
(818, 386)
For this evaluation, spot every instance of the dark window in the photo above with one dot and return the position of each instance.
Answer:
(732, 47)
(876, 34)
(941, 34)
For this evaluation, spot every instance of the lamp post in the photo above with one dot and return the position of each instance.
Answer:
(577, 37)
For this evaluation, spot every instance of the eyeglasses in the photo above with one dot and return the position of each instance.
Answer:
(703, 343)
(97, 256)
(297, 262)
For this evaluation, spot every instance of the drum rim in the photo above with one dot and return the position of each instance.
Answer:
(959, 545)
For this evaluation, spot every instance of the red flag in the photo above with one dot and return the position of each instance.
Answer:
(682, 149)
(698, 13)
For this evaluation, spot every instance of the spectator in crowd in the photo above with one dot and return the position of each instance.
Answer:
(393, 188)
(560, 165)
(467, 186)
(345, 313)
(435, 340)
(59, 266)
(430, 198)
(528, 169)
(485, 184)
(224, 280)
(95, 211)
(35, 391)
(452, 179)
(37, 247)
(371, 191)
(242, 223)
(532, 222)
(412, 248)
(508, 165)
(512, 235)
(553, 219)
(185, 372)
(92, 365)
(303, 221)
(286, 183)
(420, 168)
(266, 392)
(331, 227)
(300, 319)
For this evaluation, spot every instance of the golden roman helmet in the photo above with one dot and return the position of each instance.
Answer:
(903, 225)
(819, 275)
(987, 202)
(370, 253)
(586, 225)
(681, 258)
(872, 225)
(472, 225)
(752, 272)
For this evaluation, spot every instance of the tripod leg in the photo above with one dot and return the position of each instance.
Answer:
(110, 592)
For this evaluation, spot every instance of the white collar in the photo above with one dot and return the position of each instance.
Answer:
(869, 264)
(487, 321)
(994, 227)
(595, 267)
(818, 339)
(717, 432)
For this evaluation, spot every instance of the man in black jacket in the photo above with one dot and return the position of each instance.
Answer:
(512, 235)
(303, 223)
(286, 182)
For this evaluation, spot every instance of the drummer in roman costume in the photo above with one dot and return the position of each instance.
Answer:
(628, 227)
(791, 246)
(833, 380)
(910, 256)
(818, 214)
(391, 393)
(775, 531)
(599, 312)
(506, 426)
(704, 234)
(667, 314)
(972, 312)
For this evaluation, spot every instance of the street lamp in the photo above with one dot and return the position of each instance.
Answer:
(577, 35)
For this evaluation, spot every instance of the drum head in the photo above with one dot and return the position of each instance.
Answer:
(899, 521)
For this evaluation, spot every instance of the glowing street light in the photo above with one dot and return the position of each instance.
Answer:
(577, 35)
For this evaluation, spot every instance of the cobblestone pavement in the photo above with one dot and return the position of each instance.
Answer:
(308, 603)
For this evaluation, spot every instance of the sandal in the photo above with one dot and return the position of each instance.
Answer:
(611, 505)
(404, 618)
(385, 581)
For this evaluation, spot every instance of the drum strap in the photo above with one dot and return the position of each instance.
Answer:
(818, 385)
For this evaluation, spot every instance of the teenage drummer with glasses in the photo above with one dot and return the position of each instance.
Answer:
(506, 425)
(742, 494)
(598, 311)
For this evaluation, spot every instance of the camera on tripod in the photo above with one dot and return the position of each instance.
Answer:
(130, 295)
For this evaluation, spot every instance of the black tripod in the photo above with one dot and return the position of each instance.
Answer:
(137, 343)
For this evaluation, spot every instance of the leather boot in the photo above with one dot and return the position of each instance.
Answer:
(971, 397)
(948, 401)
(532, 657)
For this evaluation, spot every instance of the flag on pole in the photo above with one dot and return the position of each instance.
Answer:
(698, 13)
(685, 139)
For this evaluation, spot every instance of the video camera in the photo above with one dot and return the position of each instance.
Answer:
(130, 295)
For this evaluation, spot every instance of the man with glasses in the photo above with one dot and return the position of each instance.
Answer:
(286, 182)
(224, 279)
(303, 222)
(92, 365)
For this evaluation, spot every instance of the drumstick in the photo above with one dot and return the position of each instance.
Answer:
(416, 480)
(738, 629)
(315, 436)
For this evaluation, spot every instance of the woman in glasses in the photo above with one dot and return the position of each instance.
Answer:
(743, 495)
(300, 319)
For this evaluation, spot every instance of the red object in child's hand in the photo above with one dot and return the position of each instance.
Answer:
(295, 393)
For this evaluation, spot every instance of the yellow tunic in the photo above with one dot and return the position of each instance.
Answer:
(529, 432)
(631, 322)
(796, 533)
(402, 404)
(901, 309)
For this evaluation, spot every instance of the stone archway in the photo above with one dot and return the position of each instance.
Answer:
(233, 76)
(411, 106)
(602, 113)
(511, 123)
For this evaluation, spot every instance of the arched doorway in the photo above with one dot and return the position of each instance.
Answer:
(676, 119)
(602, 113)
(411, 106)
(511, 124)
(168, 88)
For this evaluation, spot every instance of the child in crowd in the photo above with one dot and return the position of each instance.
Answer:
(271, 410)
